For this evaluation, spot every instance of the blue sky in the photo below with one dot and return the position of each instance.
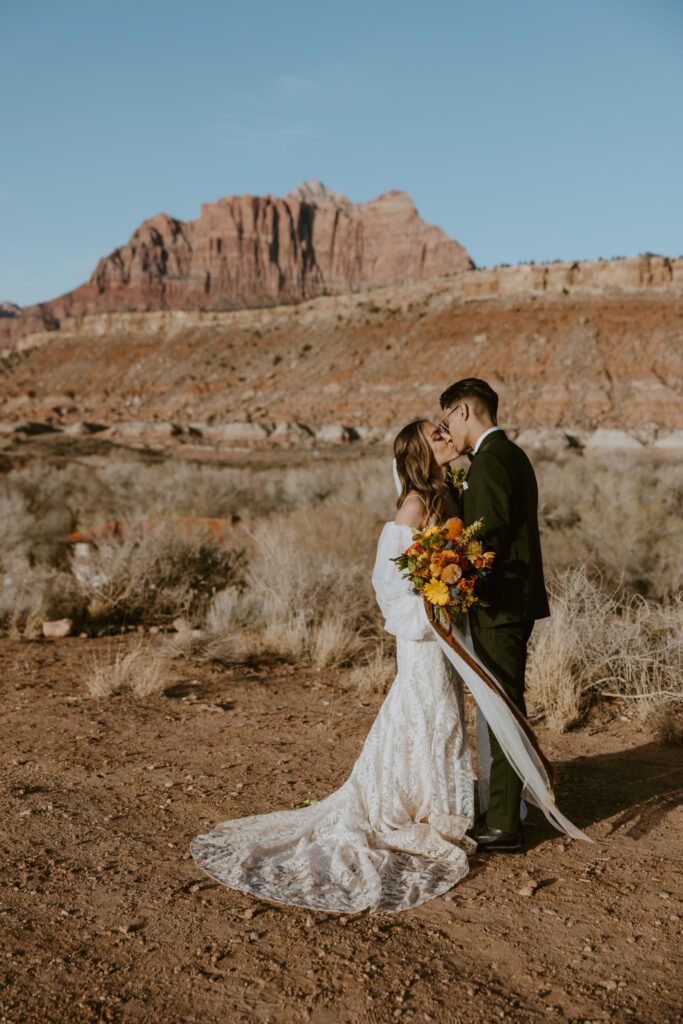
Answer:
(528, 131)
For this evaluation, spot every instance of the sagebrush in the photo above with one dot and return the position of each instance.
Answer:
(293, 579)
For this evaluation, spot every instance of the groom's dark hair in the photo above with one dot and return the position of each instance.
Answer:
(478, 392)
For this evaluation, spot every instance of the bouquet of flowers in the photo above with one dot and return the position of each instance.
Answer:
(445, 564)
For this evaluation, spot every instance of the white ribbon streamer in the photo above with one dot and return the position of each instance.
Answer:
(515, 743)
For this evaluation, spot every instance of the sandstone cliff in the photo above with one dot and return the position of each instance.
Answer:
(257, 251)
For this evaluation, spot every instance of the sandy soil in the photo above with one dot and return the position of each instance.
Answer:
(104, 916)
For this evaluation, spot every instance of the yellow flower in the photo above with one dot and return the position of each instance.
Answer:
(436, 592)
(431, 531)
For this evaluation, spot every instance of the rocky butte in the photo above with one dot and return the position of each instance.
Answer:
(256, 251)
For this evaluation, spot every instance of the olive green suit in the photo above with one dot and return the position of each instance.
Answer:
(501, 489)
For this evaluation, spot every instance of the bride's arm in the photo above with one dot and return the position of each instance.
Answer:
(411, 513)
(402, 608)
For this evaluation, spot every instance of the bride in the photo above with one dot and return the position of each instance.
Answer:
(394, 835)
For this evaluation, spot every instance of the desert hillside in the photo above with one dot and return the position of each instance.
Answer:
(570, 346)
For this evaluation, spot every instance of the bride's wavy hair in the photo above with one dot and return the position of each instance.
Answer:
(418, 470)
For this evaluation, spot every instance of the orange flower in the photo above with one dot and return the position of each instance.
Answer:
(440, 559)
(466, 586)
(450, 574)
(478, 561)
(453, 528)
(489, 558)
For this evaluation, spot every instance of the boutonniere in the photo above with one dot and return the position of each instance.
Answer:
(455, 478)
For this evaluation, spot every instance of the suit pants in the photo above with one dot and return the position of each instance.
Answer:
(503, 649)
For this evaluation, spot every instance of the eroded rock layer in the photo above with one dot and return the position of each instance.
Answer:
(571, 362)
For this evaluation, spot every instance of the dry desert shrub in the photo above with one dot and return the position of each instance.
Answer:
(223, 638)
(155, 574)
(133, 670)
(621, 514)
(308, 585)
(600, 642)
(29, 594)
(36, 535)
(196, 489)
(666, 723)
(307, 592)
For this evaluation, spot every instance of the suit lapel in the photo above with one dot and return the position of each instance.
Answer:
(491, 440)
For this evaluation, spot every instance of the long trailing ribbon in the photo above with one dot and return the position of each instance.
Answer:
(523, 722)
(516, 737)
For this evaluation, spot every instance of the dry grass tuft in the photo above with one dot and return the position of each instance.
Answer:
(135, 670)
(375, 673)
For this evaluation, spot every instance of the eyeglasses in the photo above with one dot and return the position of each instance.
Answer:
(442, 427)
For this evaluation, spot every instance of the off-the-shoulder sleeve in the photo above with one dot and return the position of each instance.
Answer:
(403, 610)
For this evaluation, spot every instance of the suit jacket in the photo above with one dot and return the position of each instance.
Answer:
(501, 488)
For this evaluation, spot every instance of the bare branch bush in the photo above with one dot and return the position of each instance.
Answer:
(307, 592)
(156, 574)
(620, 513)
(602, 642)
(30, 594)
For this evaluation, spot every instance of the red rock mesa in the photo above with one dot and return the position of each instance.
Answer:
(256, 251)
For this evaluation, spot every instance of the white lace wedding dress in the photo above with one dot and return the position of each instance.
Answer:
(393, 836)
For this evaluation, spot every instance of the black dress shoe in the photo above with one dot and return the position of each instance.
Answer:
(494, 839)
(479, 824)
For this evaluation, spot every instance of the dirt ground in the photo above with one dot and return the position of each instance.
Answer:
(104, 916)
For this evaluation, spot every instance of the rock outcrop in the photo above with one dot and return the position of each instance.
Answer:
(610, 440)
(9, 309)
(247, 251)
(672, 442)
(648, 271)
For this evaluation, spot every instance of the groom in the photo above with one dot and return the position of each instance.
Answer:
(501, 488)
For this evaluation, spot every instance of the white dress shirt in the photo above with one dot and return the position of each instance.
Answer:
(485, 434)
